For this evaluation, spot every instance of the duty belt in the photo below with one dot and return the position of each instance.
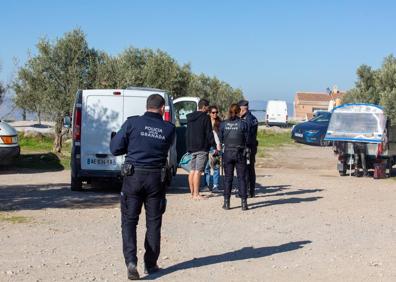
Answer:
(234, 148)
(148, 169)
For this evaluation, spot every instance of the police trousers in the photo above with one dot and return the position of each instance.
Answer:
(138, 189)
(234, 159)
(251, 171)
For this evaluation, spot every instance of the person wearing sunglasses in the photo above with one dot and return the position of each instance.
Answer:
(214, 158)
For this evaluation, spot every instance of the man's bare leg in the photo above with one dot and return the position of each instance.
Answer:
(191, 182)
(196, 184)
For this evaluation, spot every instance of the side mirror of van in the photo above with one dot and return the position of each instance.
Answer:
(67, 122)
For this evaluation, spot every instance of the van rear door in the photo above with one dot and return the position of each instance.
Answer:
(102, 114)
(135, 102)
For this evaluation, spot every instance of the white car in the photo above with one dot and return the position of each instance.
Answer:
(9, 147)
(98, 115)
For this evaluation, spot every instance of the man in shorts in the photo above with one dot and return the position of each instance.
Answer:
(199, 138)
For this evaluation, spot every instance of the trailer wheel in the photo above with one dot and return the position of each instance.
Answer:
(76, 184)
(389, 167)
(324, 143)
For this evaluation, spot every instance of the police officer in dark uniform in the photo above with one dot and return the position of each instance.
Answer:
(252, 123)
(145, 140)
(234, 135)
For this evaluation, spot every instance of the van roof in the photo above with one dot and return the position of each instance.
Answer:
(145, 89)
(277, 101)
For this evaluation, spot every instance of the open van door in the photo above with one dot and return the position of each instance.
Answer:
(183, 106)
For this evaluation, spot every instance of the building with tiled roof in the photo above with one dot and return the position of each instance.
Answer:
(306, 103)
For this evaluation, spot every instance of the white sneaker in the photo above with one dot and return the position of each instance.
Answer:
(216, 189)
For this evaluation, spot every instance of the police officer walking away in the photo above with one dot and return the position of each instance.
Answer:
(234, 136)
(145, 140)
(252, 123)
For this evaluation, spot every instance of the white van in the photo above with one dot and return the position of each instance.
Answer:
(276, 113)
(98, 114)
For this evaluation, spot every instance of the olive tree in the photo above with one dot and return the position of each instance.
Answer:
(376, 86)
(49, 80)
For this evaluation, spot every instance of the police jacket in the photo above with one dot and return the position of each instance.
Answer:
(144, 139)
(252, 123)
(234, 133)
(199, 135)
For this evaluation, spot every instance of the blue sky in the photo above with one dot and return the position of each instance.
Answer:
(270, 49)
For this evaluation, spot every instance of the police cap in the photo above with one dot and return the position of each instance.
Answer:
(243, 103)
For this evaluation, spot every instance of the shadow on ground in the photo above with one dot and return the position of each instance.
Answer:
(33, 163)
(262, 204)
(106, 194)
(242, 254)
(266, 191)
(36, 197)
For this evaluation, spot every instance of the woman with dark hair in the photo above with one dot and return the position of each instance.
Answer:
(213, 161)
(234, 136)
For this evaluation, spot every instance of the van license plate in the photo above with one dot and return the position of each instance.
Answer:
(101, 161)
(298, 134)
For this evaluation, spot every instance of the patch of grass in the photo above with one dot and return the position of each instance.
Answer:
(36, 153)
(13, 218)
(272, 139)
(35, 144)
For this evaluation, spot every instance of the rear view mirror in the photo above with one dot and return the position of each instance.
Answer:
(67, 122)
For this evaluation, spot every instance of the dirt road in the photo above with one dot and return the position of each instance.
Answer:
(306, 224)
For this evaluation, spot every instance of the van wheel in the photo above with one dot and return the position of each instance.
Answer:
(76, 184)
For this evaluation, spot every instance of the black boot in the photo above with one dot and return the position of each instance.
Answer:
(226, 204)
(244, 205)
(133, 274)
(151, 269)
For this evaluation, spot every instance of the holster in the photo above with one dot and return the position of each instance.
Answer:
(163, 203)
(127, 169)
(166, 175)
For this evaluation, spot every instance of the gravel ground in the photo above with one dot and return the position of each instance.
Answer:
(306, 224)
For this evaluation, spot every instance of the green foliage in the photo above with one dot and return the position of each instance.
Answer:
(47, 83)
(219, 93)
(36, 154)
(2, 90)
(376, 86)
(14, 218)
(272, 139)
(35, 144)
